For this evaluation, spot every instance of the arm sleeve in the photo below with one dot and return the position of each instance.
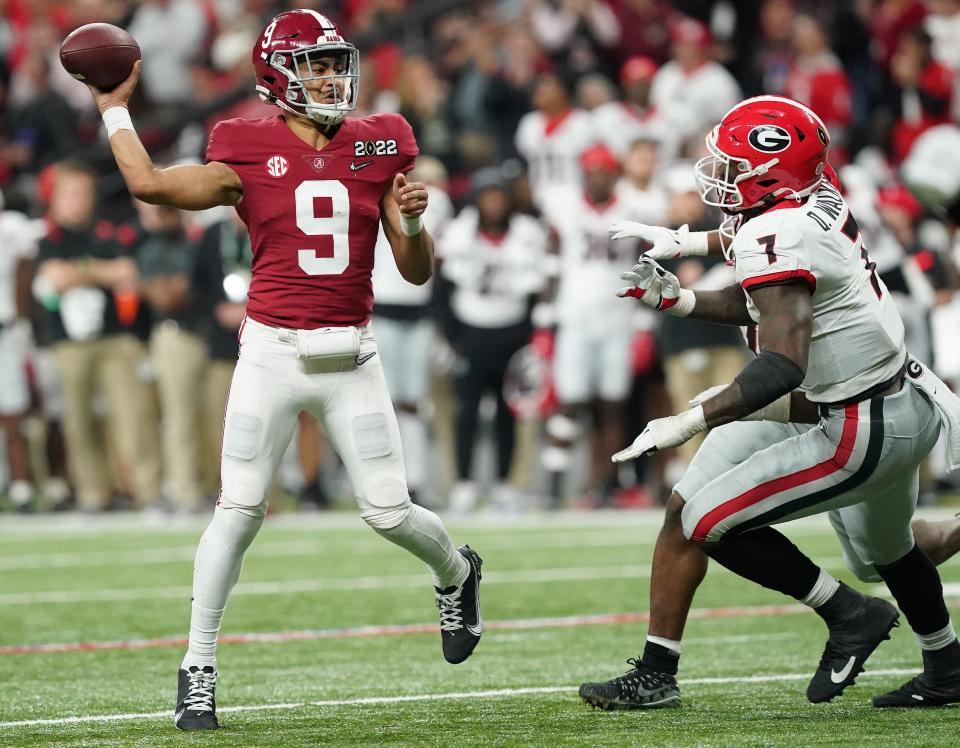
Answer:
(774, 259)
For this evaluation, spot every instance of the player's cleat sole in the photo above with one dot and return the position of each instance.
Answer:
(196, 701)
(461, 623)
(850, 644)
(640, 688)
(921, 691)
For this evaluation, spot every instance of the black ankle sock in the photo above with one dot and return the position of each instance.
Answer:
(660, 659)
(766, 557)
(944, 661)
(915, 584)
(840, 606)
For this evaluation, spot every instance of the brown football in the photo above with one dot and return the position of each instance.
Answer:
(100, 54)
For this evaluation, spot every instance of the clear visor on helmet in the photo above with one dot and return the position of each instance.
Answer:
(328, 75)
(718, 176)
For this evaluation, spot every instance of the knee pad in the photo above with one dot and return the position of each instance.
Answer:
(254, 509)
(385, 503)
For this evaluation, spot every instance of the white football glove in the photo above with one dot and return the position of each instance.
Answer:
(663, 433)
(778, 410)
(657, 288)
(668, 244)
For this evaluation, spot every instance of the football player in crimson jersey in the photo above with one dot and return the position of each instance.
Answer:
(830, 353)
(313, 187)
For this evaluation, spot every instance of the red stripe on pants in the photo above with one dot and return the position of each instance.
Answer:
(765, 490)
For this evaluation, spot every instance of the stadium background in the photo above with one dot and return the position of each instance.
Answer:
(331, 632)
(465, 75)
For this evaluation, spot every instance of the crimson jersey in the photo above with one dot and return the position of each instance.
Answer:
(313, 215)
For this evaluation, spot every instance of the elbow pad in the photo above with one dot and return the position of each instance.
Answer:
(769, 376)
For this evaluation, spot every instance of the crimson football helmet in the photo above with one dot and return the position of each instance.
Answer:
(765, 149)
(300, 46)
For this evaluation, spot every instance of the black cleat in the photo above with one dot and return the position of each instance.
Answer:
(196, 702)
(460, 621)
(640, 688)
(924, 690)
(850, 643)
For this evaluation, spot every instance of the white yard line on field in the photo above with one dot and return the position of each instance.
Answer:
(392, 581)
(275, 548)
(499, 693)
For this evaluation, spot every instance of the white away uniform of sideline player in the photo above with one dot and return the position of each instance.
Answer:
(861, 461)
(552, 150)
(18, 241)
(594, 333)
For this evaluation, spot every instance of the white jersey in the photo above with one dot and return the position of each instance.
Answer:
(493, 278)
(857, 339)
(552, 150)
(648, 205)
(590, 261)
(389, 287)
(688, 103)
(619, 125)
(18, 239)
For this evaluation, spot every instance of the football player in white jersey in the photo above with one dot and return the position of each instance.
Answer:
(18, 245)
(401, 317)
(830, 352)
(551, 139)
(594, 336)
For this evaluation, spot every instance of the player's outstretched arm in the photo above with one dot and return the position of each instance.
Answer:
(401, 209)
(669, 244)
(660, 289)
(192, 187)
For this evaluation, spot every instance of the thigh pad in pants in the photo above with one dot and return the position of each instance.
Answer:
(259, 422)
(362, 426)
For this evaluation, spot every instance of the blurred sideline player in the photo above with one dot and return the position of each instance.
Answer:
(620, 124)
(594, 331)
(18, 245)
(827, 329)
(313, 188)
(492, 259)
(405, 333)
(551, 139)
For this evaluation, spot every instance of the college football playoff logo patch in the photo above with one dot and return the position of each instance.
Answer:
(769, 138)
(277, 166)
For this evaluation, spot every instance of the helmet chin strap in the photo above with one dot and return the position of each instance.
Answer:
(760, 170)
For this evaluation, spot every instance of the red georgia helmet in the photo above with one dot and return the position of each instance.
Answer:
(765, 149)
(283, 59)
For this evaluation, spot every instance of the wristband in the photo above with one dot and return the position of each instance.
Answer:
(693, 421)
(695, 243)
(411, 225)
(685, 303)
(117, 118)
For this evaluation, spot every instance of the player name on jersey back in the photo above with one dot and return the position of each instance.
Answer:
(313, 214)
(857, 334)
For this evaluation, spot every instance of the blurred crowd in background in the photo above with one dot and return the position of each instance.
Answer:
(516, 372)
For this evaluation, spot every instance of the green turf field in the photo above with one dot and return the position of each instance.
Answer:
(552, 585)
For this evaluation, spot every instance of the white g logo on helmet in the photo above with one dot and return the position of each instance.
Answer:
(769, 138)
